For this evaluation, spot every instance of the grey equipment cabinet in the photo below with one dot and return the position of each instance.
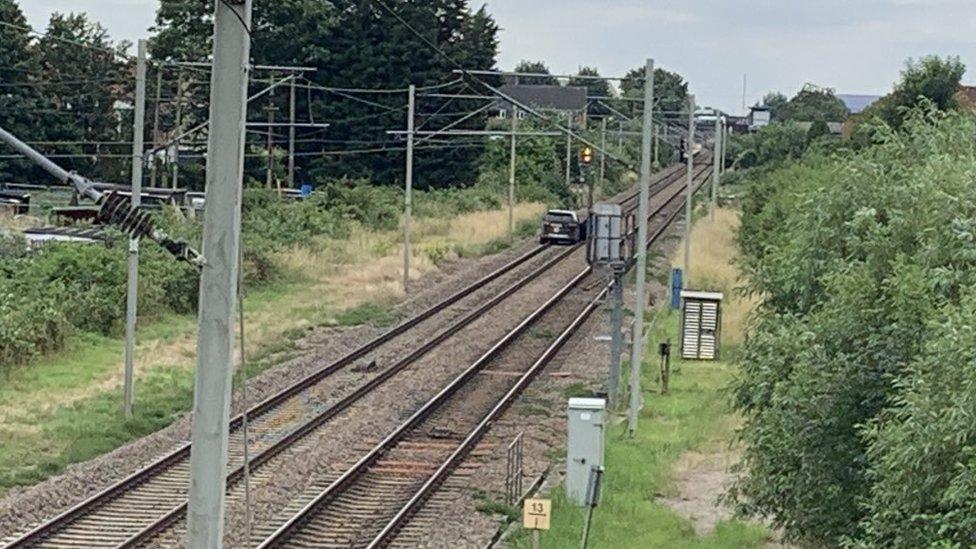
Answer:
(585, 445)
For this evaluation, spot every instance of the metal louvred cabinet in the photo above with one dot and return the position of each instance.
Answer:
(701, 325)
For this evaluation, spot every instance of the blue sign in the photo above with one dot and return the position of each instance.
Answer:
(677, 282)
(306, 190)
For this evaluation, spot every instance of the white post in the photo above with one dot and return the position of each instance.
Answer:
(291, 136)
(511, 176)
(269, 176)
(408, 184)
(132, 289)
(179, 129)
(603, 157)
(716, 159)
(637, 346)
(686, 275)
(218, 282)
(726, 133)
(569, 150)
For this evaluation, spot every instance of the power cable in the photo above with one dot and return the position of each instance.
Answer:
(30, 30)
(471, 78)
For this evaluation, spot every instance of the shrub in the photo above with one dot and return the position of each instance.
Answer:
(863, 263)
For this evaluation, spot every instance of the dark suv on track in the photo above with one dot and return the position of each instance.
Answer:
(563, 227)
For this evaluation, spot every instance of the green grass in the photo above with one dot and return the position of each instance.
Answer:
(57, 411)
(367, 313)
(91, 427)
(693, 415)
(44, 436)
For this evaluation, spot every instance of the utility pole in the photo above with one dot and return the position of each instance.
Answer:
(179, 129)
(269, 175)
(657, 145)
(745, 81)
(716, 159)
(155, 129)
(408, 185)
(640, 298)
(726, 134)
(218, 283)
(132, 284)
(603, 156)
(511, 177)
(690, 158)
(291, 136)
(616, 331)
(569, 149)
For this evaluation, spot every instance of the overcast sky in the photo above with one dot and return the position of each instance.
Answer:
(854, 46)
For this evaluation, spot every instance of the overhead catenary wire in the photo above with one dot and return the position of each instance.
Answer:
(514, 102)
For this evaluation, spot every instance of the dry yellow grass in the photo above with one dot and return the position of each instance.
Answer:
(328, 276)
(713, 249)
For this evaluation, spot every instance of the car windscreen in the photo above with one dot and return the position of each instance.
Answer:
(560, 218)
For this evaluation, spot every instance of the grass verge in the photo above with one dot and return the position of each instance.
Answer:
(642, 471)
(66, 407)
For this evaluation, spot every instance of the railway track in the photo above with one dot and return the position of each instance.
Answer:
(148, 502)
(371, 502)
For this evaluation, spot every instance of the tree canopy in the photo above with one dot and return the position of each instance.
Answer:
(929, 79)
(810, 104)
(355, 45)
(535, 67)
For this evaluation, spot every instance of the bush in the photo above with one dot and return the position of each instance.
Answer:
(865, 265)
(64, 288)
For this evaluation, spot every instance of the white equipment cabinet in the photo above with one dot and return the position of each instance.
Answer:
(701, 325)
(585, 447)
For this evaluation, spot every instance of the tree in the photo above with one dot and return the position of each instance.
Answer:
(814, 103)
(594, 88)
(84, 78)
(356, 44)
(670, 89)
(535, 67)
(18, 65)
(930, 79)
(776, 102)
(817, 130)
(933, 78)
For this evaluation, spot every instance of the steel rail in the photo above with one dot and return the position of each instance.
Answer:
(337, 487)
(350, 399)
(77, 511)
(53, 526)
(460, 453)
(352, 473)
(262, 458)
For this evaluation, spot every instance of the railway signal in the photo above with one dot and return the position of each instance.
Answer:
(586, 156)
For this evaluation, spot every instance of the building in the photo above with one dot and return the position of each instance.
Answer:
(759, 116)
(856, 103)
(562, 99)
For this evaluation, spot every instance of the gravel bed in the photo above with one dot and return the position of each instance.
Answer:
(337, 445)
(22, 508)
(540, 415)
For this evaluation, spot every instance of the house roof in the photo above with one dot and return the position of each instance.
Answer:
(857, 102)
(560, 98)
(968, 94)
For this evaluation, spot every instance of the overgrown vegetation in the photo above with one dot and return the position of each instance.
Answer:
(640, 470)
(858, 374)
(66, 288)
